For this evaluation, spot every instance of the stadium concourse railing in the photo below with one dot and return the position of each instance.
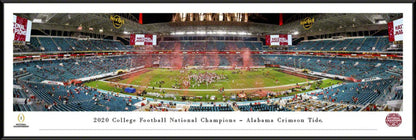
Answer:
(388, 94)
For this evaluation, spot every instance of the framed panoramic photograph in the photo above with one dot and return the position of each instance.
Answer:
(199, 70)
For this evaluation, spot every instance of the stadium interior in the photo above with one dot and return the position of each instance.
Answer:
(207, 62)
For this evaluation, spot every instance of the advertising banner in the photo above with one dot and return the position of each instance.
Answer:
(143, 39)
(21, 28)
(395, 30)
(282, 39)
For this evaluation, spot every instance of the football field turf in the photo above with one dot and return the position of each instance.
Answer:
(109, 87)
(244, 79)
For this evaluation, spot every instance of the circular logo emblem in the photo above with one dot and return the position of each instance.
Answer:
(117, 21)
(20, 118)
(307, 23)
(393, 120)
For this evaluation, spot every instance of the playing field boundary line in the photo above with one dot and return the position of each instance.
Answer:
(125, 74)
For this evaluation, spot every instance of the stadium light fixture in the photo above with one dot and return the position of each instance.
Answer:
(295, 33)
(179, 33)
(228, 17)
(210, 33)
(381, 22)
(242, 33)
(201, 32)
(37, 20)
(183, 16)
(209, 16)
(201, 16)
(221, 32)
(221, 16)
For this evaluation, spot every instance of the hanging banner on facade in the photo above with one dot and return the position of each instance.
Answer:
(21, 28)
(395, 30)
(143, 39)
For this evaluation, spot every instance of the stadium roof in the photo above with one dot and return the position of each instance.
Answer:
(257, 24)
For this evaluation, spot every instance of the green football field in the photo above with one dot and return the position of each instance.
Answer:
(244, 79)
(247, 79)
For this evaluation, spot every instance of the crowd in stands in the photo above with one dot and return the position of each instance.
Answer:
(368, 43)
(213, 108)
(356, 93)
(233, 60)
(398, 95)
(306, 104)
(47, 97)
(53, 44)
(349, 67)
(298, 103)
(376, 107)
(209, 45)
(60, 44)
(344, 97)
(196, 79)
(68, 69)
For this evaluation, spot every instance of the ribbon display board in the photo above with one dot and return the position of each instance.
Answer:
(282, 39)
(143, 39)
